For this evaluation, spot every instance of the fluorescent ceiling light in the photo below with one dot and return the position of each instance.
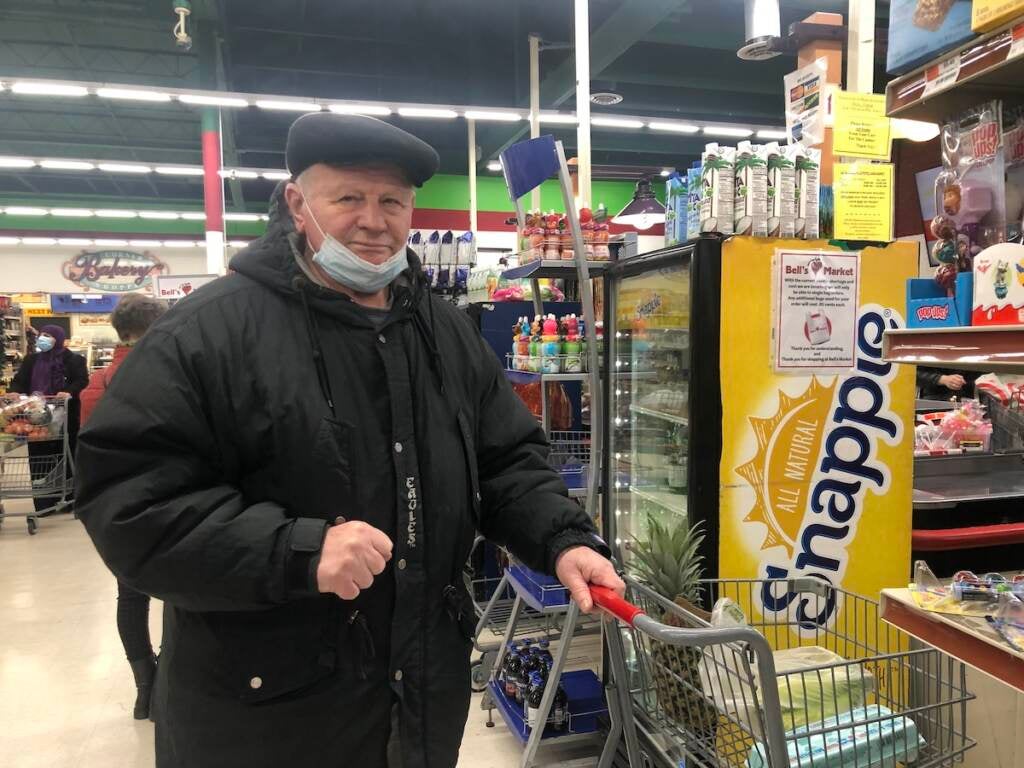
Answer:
(772, 135)
(558, 118)
(674, 127)
(507, 117)
(124, 168)
(615, 122)
(447, 114)
(212, 101)
(238, 173)
(24, 210)
(132, 94)
(241, 217)
(360, 109)
(49, 89)
(116, 213)
(73, 241)
(194, 216)
(179, 170)
(111, 243)
(289, 106)
(81, 213)
(145, 243)
(725, 130)
(9, 240)
(67, 165)
(168, 215)
(665, 172)
(276, 175)
(238, 243)
(915, 130)
(16, 162)
(264, 217)
(38, 241)
(494, 165)
(180, 243)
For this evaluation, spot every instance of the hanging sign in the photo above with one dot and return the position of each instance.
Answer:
(805, 113)
(113, 271)
(180, 286)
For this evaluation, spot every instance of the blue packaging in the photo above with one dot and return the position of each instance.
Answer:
(675, 209)
(921, 30)
(929, 307)
(693, 194)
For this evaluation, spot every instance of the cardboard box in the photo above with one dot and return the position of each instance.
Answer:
(999, 285)
(928, 306)
(921, 30)
(986, 15)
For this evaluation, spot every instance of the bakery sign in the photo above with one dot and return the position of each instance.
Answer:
(113, 271)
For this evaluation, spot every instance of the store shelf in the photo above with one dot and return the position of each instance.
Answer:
(581, 725)
(986, 68)
(673, 502)
(942, 482)
(674, 418)
(561, 270)
(527, 377)
(995, 348)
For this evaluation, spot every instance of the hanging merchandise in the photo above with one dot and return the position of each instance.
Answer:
(718, 189)
(1013, 149)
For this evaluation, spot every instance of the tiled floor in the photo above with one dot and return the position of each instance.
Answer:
(66, 691)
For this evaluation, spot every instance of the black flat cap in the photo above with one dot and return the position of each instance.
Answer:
(324, 137)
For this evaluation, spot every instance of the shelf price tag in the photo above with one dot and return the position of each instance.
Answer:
(1016, 42)
(941, 76)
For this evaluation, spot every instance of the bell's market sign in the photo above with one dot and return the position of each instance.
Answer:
(113, 271)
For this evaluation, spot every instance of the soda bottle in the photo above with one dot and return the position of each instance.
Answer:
(560, 710)
(515, 664)
(512, 650)
(536, 694)
(522, 685)
(545, 651)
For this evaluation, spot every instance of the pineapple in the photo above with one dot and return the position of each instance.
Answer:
(667, 560)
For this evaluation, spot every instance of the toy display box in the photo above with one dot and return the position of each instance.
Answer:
(999, 285)
(929, 306)
(920, 30)
(986, 15)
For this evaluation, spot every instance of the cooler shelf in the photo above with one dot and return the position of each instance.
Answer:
(550, 268)
(986, 348)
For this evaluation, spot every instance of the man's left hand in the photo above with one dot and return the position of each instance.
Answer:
(578, 567)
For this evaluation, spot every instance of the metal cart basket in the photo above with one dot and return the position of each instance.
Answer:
(35, 456)
(705, 696)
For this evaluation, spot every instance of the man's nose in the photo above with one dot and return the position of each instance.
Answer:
(371, 218)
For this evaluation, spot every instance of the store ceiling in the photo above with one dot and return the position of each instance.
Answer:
(667, 58)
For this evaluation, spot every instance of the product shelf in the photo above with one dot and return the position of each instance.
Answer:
(656, 414)
(528, 377)
(988, 67)
(985, 348)
(549, 268)
(582, 725)
(668, 500)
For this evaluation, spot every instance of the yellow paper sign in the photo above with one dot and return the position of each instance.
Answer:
(863, 201)
(861, 127)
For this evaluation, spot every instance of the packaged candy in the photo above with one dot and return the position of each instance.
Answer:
(1013, 151)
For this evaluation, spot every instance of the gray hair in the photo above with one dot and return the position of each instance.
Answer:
(134, 314)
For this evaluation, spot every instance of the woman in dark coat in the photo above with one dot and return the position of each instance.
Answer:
(54, 371)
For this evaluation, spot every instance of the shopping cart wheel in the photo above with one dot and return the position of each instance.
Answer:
(33, 526)
(479, 676)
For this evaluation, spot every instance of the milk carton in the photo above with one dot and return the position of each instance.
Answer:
(781, 191)
(807, 163)
(751, 201)
(718, 189)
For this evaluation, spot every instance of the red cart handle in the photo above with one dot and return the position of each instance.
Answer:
(607, 600)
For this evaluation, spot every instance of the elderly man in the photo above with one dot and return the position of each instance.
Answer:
(296, 460)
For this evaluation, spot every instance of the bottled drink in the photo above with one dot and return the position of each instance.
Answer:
(522, 684)
(560, 710)
(512, 650)
(533, 699)
(515, 665)
(535, 661)
(545, 651)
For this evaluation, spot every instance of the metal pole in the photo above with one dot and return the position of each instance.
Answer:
(535, 106)
(860, 45)
(583, 99)
(213, 191)
(471, 132)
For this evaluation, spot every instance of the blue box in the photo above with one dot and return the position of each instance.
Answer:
(916, 37)
(83, 303)
(929, 307)
(546, 590)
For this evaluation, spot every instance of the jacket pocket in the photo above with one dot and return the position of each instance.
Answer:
(331, 458)
(459, 606)
(472, 473)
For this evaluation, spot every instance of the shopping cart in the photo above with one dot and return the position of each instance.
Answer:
(705, 696)
(35, 456)
(1007, 422)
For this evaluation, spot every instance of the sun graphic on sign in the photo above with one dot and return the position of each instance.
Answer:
(782, 470)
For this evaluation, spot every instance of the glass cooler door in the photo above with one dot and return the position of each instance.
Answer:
(649, 359)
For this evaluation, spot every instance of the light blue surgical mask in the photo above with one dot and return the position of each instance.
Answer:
(44, 344)
(342, 264)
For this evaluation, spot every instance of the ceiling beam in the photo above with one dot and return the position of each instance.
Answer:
(681, 80)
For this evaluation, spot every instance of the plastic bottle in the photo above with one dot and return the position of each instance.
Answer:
(522, 685)
(545, 644)
(515, 665)
(551, 362)
(534, 362)
(533, 699)
(571, 348)
(512, 651)
(559, 717)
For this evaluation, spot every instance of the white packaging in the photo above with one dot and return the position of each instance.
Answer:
(781, 191)
(808, 164)
(718, 189)
(751, 202)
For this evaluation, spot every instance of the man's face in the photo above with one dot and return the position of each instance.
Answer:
(368, 210)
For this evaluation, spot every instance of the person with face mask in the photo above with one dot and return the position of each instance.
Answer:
(297, 460)
(54, 371)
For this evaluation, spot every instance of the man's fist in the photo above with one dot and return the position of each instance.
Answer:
(953, 382)
(578, 567)
(353, 553)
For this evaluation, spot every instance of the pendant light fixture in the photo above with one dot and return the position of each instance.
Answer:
(644, 210)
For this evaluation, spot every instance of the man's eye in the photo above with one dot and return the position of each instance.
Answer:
(393, 203)
(348, 199)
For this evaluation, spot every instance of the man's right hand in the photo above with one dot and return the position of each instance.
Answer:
(953, 382)
(353, 553)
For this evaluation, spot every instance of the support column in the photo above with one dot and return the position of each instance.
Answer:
(535, 106)
(860, 46)
(582, 19)
(471, 135)
(832, 52)
(213, 191)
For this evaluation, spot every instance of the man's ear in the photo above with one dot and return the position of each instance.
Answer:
(294, 198)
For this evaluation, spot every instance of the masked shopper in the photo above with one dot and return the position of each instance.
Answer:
(296, 459)
(131, 318)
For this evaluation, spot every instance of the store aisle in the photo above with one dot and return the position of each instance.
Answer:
(66, 692)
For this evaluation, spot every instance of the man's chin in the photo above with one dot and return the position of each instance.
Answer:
(375, 256)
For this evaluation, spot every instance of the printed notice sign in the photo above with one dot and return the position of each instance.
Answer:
(805, 113)
(816, 301)
(861, 127)
(863, 201)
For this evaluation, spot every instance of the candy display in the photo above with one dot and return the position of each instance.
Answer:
(549, 236)
(549, 345)
(986, 15)
(920, 30)
(965, 429)
(999, 286)
(967, 594)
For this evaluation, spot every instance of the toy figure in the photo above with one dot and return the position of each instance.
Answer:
(1002, 280)
(1020, 272)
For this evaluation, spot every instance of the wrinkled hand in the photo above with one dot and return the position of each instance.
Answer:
(953, 382)
(64, 395)
(353, 553)
(577, 567)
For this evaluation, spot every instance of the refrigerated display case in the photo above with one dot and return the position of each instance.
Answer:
(662, 392)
